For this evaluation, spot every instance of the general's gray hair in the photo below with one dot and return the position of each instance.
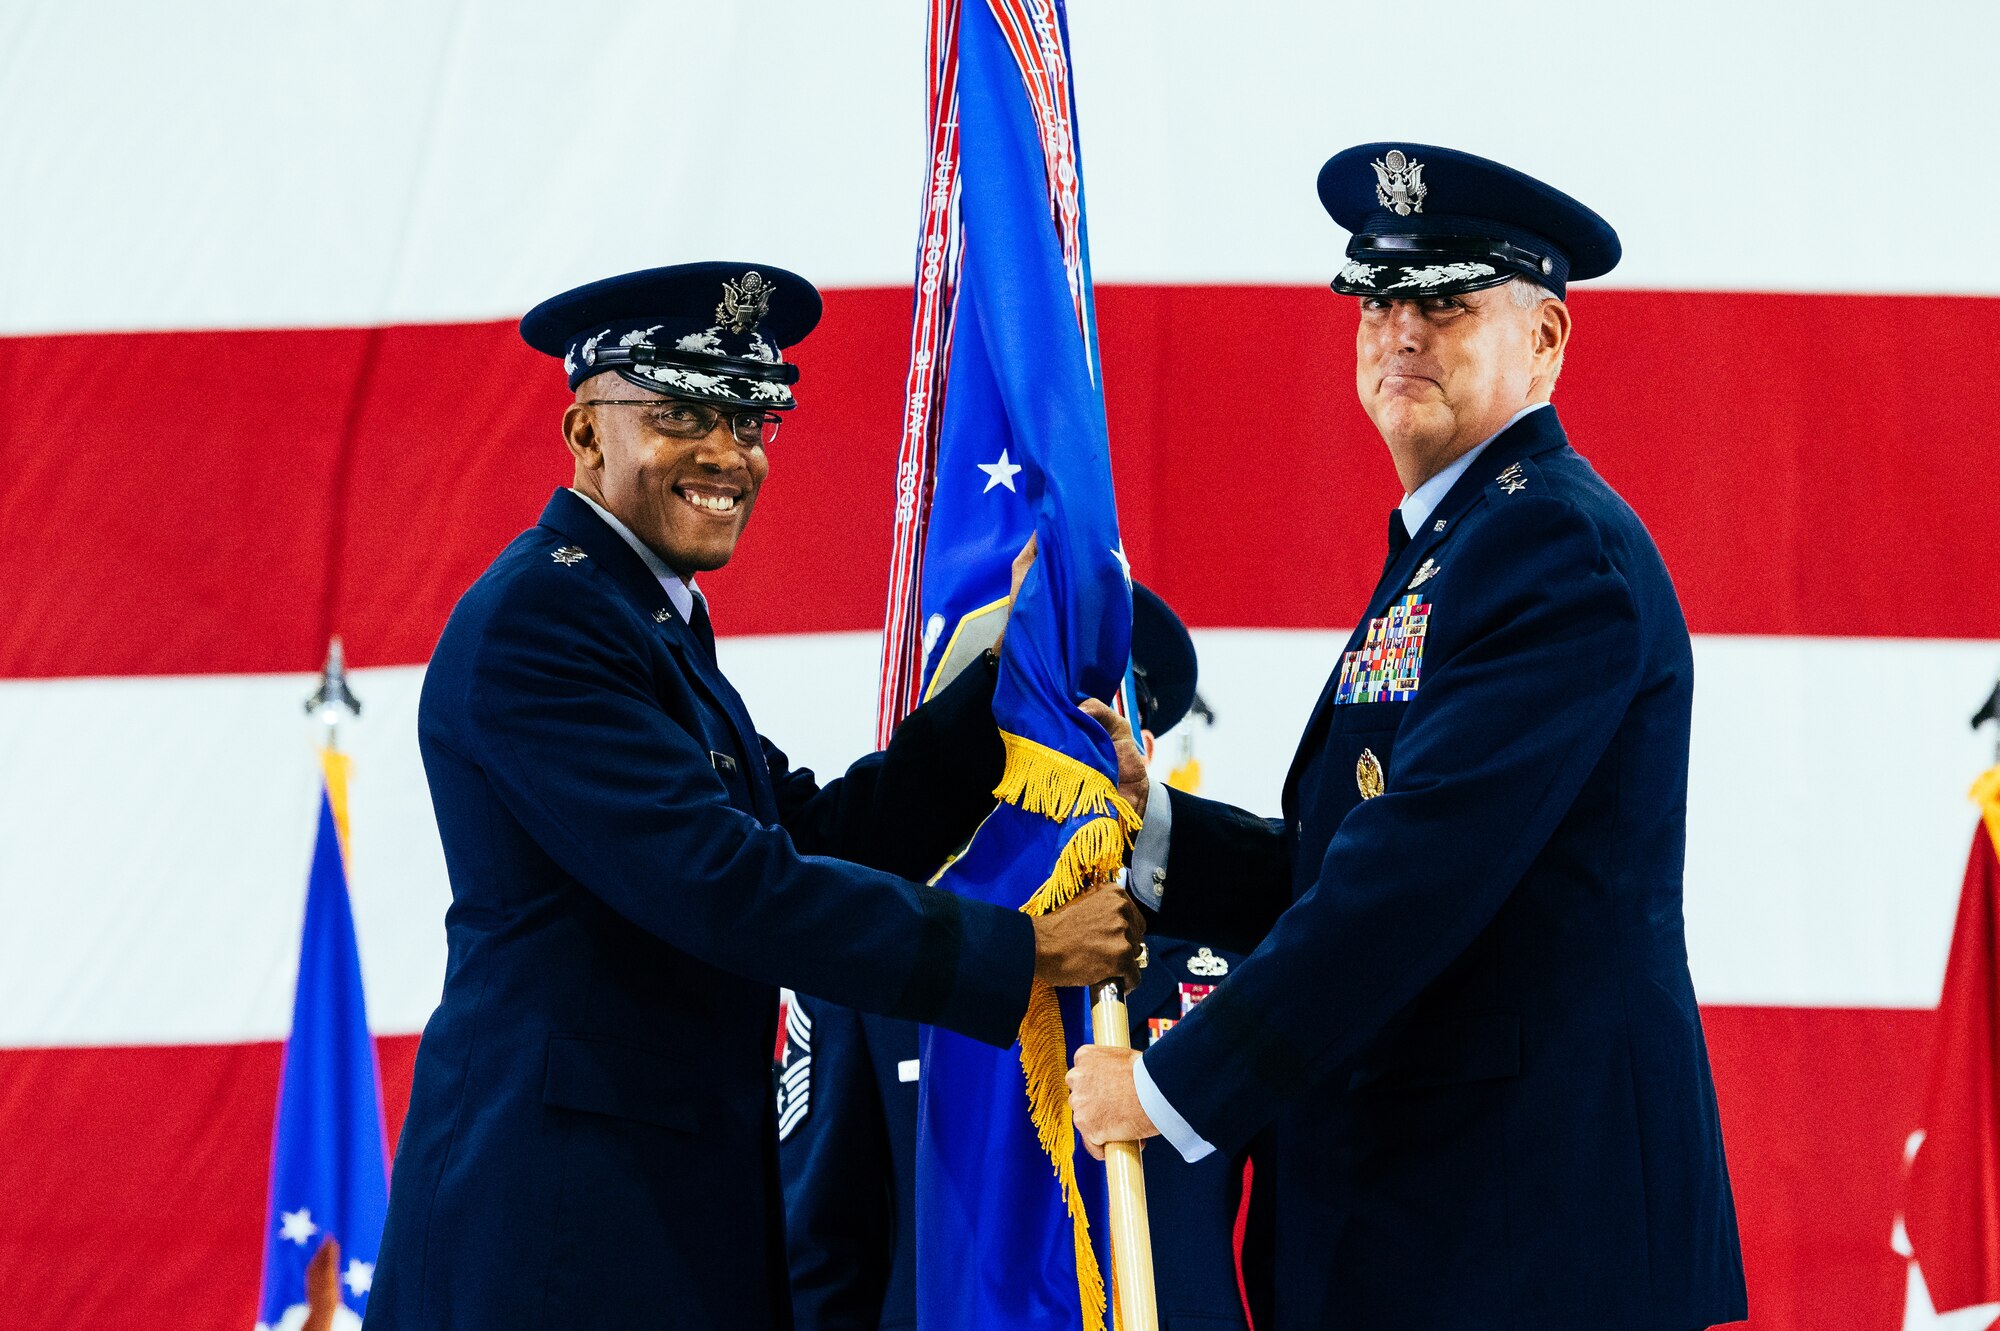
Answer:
(1528, 293)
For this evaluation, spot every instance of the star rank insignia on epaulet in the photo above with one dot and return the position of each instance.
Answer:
(569, 555)
(1424, 574)
(1511, 480)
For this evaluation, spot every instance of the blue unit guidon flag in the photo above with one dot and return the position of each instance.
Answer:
(1389, 663)
(1005, 436)
(329, 1170)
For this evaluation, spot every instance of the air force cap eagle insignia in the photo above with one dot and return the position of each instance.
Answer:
(1399, 182)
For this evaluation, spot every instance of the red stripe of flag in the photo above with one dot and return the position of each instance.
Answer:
(214, 502)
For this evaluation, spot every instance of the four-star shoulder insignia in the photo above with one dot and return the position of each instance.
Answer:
(1424, 574)
(1511, 480)
(569, 555)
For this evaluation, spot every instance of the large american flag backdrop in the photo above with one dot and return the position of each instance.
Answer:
(258, 278)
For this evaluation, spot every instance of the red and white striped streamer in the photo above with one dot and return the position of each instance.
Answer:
(939, 242)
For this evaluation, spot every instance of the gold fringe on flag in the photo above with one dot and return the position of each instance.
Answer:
(1040, 780)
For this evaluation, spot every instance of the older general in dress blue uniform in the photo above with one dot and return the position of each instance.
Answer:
(1466, 1043)
(847, 1100)
(591, 1141)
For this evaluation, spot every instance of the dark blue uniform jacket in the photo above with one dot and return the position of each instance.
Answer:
(591, 1140)
(1467, 1040)
(849, 1160)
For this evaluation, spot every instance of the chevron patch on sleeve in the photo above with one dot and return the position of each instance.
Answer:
(794, 1070)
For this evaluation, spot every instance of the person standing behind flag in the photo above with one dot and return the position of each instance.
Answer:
(847, 1093)
(1466, 1041)
(591, 1140)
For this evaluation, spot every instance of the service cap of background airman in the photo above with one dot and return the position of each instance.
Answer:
(1430, 221)
(1163, 661)
(714, 332)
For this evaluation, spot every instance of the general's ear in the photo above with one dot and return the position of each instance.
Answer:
(1552, 324)
(580, 433)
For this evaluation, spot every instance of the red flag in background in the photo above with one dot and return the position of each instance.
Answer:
(1952, 1208)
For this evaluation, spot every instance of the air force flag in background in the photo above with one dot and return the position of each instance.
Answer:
(329, 1176)
(1010, 1213)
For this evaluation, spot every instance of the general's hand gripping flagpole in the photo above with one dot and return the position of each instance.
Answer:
(1131, 1231)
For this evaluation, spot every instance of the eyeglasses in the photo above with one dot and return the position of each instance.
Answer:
(692, 420)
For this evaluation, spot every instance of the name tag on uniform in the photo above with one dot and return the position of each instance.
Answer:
(723, 762)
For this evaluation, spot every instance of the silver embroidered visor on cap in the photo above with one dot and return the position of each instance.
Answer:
(712, 332)
(1430, 221)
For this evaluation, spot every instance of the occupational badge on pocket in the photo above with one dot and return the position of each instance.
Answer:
(1205, 962)
(1368, 774)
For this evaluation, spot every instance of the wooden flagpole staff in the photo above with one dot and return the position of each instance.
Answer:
(1131, 1236)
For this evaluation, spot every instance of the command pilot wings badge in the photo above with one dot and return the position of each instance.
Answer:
(1424, 574)
(569, 556)
(1399, 183)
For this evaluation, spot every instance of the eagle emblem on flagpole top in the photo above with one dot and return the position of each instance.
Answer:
(1399, 183)
(745, 302)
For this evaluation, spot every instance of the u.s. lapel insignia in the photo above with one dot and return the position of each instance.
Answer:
(1204, 962)
(1424, 574)
(568, 555)
(1511, 480)
(1368, 774)
(662, 616)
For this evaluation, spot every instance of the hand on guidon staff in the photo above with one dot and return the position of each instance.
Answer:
(1094, 938)
(1133, 783)
(322, 1286)
(1022, 563)
(1103, 1102)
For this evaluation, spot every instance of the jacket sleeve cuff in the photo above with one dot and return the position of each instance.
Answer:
(974, 968)
(1149, 850)
(1178, 1132)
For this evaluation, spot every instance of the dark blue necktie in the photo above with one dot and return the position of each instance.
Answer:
(704, 631)
(1398, 537)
